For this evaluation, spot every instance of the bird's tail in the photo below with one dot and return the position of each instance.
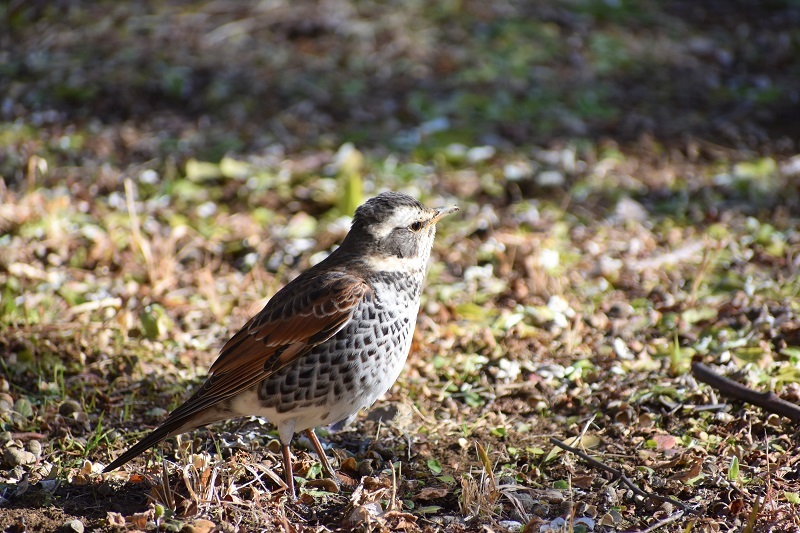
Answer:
(173, 425)
(156, 436)
(195, 412)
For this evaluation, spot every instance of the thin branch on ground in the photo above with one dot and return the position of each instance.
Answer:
(668, 520)
(768, 401)
(622, 477)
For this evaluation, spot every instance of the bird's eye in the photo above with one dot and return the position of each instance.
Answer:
(416, 226)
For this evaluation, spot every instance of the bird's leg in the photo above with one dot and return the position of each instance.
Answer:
(326, 466)
(288, 473)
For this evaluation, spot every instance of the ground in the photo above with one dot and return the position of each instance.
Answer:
(628, 179)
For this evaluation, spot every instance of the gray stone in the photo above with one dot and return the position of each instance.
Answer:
(74, 525)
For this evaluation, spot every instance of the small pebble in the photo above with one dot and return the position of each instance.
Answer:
(74, 525)
(49, 485)
(478, 154)
(35, 447)
(557, 524)
(68, 407)
(526, 501)
(6, 402)
(550, 178)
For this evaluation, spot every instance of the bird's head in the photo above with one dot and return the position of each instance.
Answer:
(394, 228)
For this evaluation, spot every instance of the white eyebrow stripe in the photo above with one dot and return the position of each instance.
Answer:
(401, 217)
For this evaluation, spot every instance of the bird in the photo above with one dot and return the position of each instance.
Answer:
(329, 343)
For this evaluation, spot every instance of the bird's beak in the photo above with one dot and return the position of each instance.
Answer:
(441, 213)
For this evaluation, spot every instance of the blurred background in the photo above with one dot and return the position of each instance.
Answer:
(244, 76)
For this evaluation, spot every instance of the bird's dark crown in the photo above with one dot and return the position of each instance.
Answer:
(380, 207)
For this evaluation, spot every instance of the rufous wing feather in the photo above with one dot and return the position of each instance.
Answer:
(295, 320)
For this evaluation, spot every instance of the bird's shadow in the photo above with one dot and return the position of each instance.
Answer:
(90, 502)
(95, 503)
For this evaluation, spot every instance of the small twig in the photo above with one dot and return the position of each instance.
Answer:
(28, 435)
(585, 429)
(393, 500)
(661, 523)
(162, 493)
(768, 401)
(708, 407)
(622, 477)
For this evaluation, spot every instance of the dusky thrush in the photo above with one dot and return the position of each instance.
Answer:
(329, 343)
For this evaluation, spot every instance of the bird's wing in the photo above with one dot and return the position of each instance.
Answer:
(303, 314)
(306, 312)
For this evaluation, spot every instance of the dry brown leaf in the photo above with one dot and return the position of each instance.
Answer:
(665, 442)
(672, 463)
(405, 521)
(138, 520)
(432, 493)
(115, 519)
(582, 482)
(346, 480)
(328, 485)
(86, 468)
(203, 526)
(693, 471)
